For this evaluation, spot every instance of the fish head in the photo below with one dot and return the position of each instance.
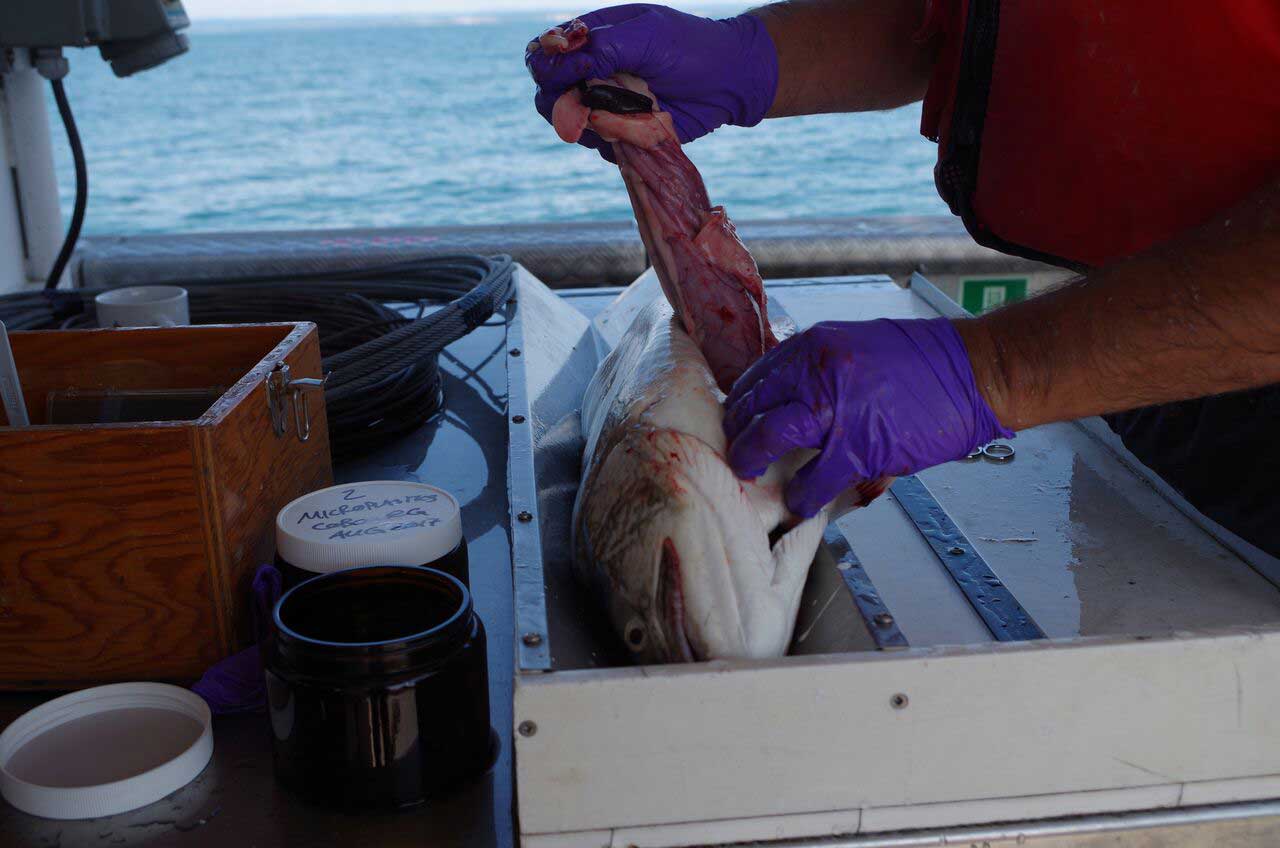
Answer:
(666, 536)
(655, 622)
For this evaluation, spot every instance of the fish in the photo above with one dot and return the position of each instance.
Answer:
(690, 562)
(679, 549)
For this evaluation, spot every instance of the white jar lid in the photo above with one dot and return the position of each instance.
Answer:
(104, 751)
(380, 522)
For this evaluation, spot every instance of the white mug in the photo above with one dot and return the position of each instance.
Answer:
(143, 306)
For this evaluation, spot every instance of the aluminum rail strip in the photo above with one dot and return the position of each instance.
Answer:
(532, 643)
(1003, 615)
(1028, 832)
(999, 610)
(880, 623)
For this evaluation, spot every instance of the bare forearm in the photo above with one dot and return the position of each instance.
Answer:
(847, 55)
(1195, 317)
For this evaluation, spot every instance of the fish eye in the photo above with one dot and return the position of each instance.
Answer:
(636, 634)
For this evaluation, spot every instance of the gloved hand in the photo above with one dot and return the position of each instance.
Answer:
(705, 73)
(876, 398)
(238, 684)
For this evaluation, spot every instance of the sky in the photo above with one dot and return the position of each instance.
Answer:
(223, 9)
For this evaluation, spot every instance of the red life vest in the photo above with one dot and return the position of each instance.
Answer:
(1081, 131)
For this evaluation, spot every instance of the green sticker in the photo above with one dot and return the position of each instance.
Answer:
(982, 295)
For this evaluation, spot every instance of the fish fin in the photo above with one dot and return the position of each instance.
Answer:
(793, 553)
(791, 556)
(765, 492)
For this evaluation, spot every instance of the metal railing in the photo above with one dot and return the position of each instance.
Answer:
(561, 254)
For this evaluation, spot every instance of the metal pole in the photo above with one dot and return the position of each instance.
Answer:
(30, 217)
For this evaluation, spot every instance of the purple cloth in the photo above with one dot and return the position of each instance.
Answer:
(237, 684)
(876, 398)
(705, 73)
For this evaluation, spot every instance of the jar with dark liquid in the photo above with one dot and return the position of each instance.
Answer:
(377, 687)
(378, 522)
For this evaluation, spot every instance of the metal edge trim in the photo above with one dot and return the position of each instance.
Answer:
(881, 624)
(533, 641)
(936, 297)
(1044, 828)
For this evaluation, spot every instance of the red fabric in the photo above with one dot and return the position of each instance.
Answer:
(1114, 126)
(943, 19)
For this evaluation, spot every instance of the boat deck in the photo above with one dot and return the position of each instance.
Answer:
(1086, 544)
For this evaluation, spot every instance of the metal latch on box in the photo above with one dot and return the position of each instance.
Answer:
(283, 391)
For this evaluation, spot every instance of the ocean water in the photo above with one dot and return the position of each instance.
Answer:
(419, 122)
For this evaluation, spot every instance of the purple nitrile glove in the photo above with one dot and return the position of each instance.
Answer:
(705, 73)
(237, 684)
(877, 399)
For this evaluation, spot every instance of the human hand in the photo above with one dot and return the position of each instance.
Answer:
(705, 73)
(877, 399)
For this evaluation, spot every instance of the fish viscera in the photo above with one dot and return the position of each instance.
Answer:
(706, 273)
(691, 562)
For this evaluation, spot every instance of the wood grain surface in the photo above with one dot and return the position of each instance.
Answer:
(246, 486)
(126, 549)
(103, 574)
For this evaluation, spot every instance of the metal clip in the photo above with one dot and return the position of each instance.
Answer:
(301, 413)
(284, 391)
(992, 452)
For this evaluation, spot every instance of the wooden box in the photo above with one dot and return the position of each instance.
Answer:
(126, 549)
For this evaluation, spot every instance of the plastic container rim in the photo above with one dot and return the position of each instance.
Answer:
(464, 604)
(113, 797)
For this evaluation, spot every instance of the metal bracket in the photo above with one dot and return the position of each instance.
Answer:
(284, 392)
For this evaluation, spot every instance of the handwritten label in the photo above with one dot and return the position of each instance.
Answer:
(360, 512)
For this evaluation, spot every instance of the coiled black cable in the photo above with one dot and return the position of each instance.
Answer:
(382, 360)
(82, 186)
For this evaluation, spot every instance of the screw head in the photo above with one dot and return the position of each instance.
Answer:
(526, 728)
(515, 351)
(883, 620)
(525, 516)
(955, 550)
(517, 419)
(532, 639)
(899, 701)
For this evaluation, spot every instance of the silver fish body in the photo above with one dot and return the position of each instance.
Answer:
(677, 546)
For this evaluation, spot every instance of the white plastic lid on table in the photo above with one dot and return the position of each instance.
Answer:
(104, 751)
(379, 522)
